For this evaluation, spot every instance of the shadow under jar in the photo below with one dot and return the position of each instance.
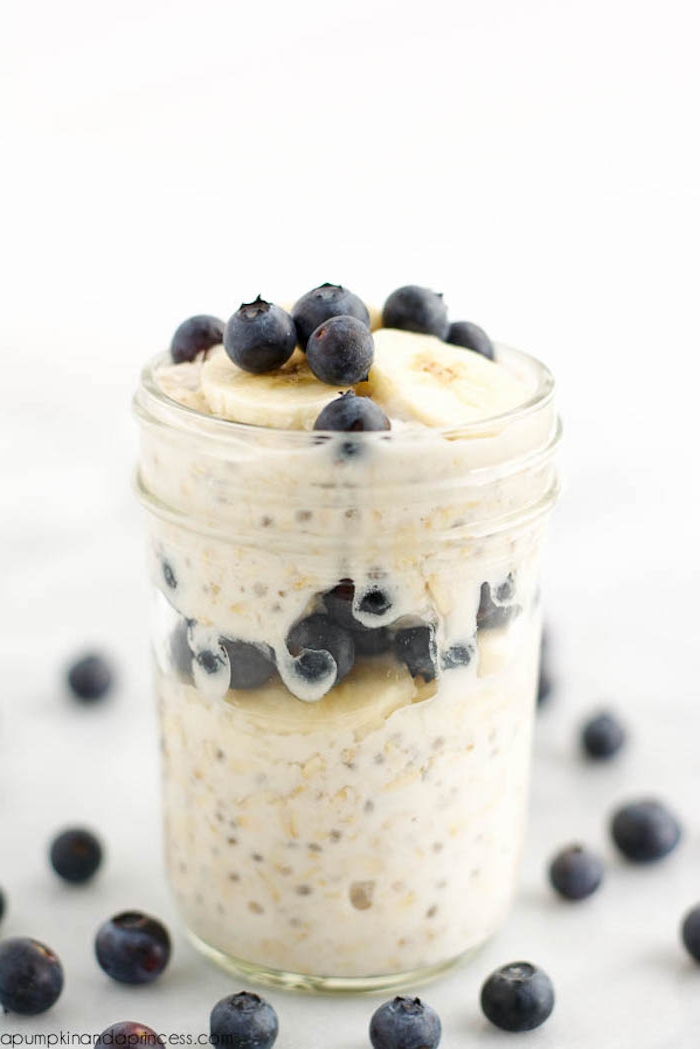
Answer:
(346, 645)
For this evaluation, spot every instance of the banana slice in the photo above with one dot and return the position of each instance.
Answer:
(418, 377)
(289, 398)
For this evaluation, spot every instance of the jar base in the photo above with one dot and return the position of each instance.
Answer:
(290, 981)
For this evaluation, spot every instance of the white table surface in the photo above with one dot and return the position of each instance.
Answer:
(538, 163)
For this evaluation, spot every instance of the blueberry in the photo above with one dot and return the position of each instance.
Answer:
(132, 948)
(3, 904)
(339, 603)
(75, 855)
(90, 678)
(251, 665)
(459, 655)
(517, 997)
(243, 1021)
(319, 305)
(194, 336)
(576, 872)
(471, 337)
(340, 351)
(602, 736)
(416, 309)
(260, 337)
(372, 642)
(405, 1023)
(491, 616)
(352, 413)
(320, 634)
(690, 932)
(415, 647)
(645, 831)
(127, 1034)
(181, 654)
(31, 976)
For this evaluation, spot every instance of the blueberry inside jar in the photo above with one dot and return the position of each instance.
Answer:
(347, 664)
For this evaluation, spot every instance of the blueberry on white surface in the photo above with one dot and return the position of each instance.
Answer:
(132, 947)
(405, 1023)
(31, 976)
(260, 337)
(127, 1035)
(690, 932)
(243, 1021)
(517, 997)
(576, 872)
(75, 855)
(90, 677)
(602, 736)
(471, 337)
(412, 308)
(340, 351)
(322, 303)
(194, 336)
(645, 831)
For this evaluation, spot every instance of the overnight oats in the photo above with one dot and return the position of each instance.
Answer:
(345, 519)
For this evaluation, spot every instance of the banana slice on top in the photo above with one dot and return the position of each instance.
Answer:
(289, 398)
(418, 377)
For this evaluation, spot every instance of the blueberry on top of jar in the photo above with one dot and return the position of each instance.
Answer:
(322, 303)
(340, 351)
(350, 413)
(471, 337)
(412, 308)
(194, 336)
(260, 336)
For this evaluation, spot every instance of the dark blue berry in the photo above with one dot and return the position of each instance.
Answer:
(251, 665)
(3, 904)
(517, 997)
(340, 351)
(350, 413)
(471, 337)
(260, 337)
(645, 831)
(90, 678)
(194, 336)
(491, 616)
(320, 634)
(459, 655)
(181, 654)
(372, 642)
(602, 736)
(319, 305)
(415, 647)
(690, 932)
(75, 855)
(243, 1021)
(31, 976)
(405, 1023)
(412, 308)
(339, 603)
(576, 872)
(127, 1035)
(132, 948)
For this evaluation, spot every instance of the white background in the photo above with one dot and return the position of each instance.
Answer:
(538, 162)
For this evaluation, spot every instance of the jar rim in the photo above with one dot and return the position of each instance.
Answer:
(152, 403)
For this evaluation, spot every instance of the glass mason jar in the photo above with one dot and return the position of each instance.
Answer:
(346, 634)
